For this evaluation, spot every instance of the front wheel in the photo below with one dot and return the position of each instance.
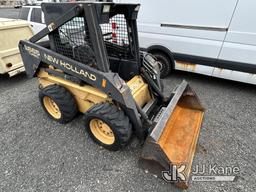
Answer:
(165, 64)
(58, 103)
(108, 126)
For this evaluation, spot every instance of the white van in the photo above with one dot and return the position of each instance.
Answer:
(215, 38)
(34, 15)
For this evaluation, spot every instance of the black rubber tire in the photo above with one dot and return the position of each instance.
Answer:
(166, 64)
(162, 84)
(115, 119)
(64, 100)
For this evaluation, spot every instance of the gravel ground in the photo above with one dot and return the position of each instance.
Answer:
(37, 154)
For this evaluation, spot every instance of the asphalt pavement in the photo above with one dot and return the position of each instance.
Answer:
(38, 154)
(9, 13)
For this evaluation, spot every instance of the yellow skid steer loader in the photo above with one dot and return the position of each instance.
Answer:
(92, 64)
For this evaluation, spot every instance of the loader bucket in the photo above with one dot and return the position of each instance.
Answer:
(172, 142)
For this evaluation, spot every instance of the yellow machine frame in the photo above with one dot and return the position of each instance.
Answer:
(86, 96)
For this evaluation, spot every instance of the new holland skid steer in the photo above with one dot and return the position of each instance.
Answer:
(92, 64)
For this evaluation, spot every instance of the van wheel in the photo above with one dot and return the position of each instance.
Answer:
(58, 103)
(165, 64)
(108, 126)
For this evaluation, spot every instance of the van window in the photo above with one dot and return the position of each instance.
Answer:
(24, 13)
(36, 15)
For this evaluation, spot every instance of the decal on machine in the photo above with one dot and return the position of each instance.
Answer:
(32, 51)
(70, 67)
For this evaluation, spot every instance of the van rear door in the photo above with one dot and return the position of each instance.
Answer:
(240, 44)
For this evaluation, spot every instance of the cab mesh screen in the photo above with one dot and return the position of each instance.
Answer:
(116, 37)
(72, 40)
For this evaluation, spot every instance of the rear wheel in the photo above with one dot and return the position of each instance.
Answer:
(165, 64)
(58, 103)
(108, 126)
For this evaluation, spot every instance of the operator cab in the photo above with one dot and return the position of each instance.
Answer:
(115, 36)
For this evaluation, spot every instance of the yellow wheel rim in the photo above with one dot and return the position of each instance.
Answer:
(52, 107)
(102, 131)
